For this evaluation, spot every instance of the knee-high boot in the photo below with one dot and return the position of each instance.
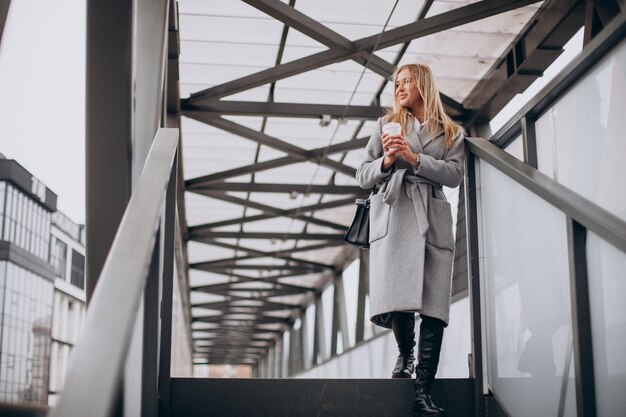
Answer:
(429, 349)
(403, 326)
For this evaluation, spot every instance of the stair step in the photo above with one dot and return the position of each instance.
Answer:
(195, 397)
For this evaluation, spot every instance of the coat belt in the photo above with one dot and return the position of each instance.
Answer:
(417, 188)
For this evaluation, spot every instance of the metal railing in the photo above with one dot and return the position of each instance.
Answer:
(582, 216)
(132, 268)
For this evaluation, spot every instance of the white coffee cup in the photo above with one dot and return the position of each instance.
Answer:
(392, 129)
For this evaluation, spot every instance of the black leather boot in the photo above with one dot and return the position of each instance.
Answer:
(431, 335)
(403, 326)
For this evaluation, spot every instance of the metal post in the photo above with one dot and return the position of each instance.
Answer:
(108, 120)
(304, 341)
(151, 37)
(529, 139)
(165, 356)
(292, 347)
(108, 132)
(362, 294)
(581, 319)
(151, 330)
(340, 316)
(319, 343)
(471, 214)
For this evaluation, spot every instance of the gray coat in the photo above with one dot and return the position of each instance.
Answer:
(411, 240)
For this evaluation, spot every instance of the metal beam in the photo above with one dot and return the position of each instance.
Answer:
(232, 262)
(281, 188)
(243, 279)
(229, 329)
(197, 232)
(420, 28)
(539, 44)
(276, 254)
(271, 109)
(243, 321)
(262, 267)
(261, 138)
(271, 235)
(275, 163)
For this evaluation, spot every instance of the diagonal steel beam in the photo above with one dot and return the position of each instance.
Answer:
(230, 329)
(315, 30)
(255, 253)
(256, 292)
(232, 300)
(274, 163)
(243, 321)
(271, 109)
(261, 267)
(420, 28)
(272, 235)
(281, 188)
(196, 232)
(259, 137)
(221, 338)
(280, 254)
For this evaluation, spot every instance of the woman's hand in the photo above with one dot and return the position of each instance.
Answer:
(390, 154)
(397, 146)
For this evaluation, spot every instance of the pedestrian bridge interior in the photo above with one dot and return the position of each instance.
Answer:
(248, 122)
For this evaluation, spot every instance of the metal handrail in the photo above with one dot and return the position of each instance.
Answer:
(98, 360)
(593, 217)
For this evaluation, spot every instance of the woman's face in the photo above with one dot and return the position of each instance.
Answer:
(406, 91)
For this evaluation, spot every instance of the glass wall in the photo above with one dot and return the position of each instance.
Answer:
(25, 340)
(376, 357)
(580, 139)
(526, 297)
(26, 223)
(606, 266)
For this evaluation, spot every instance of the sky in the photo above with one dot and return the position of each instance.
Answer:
(42, 96)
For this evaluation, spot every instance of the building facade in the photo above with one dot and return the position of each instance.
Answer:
(26, 285)
(67, 257)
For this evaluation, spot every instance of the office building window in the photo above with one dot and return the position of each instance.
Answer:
(26, 223)
(25, 348)
(78, 270)
(58, 257)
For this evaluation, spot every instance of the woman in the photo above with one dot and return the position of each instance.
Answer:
(411, 241)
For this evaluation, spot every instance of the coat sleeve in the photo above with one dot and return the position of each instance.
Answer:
(448, 171)
(370, 172)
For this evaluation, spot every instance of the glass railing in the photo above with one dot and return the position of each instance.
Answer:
(547, 244)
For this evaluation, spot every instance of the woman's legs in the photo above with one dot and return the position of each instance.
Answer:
(429, 349)
(403, 326)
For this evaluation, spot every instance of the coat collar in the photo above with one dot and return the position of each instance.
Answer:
(423, 137)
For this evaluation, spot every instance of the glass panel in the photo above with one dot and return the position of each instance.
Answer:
(607, 285)
(516, 148)
(584, 130)
(525, 265)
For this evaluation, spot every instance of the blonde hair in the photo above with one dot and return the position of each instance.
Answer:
(434, 112)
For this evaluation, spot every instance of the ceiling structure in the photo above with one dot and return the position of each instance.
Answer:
(279, 100)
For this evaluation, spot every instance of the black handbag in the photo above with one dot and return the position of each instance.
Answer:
(358, 233)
